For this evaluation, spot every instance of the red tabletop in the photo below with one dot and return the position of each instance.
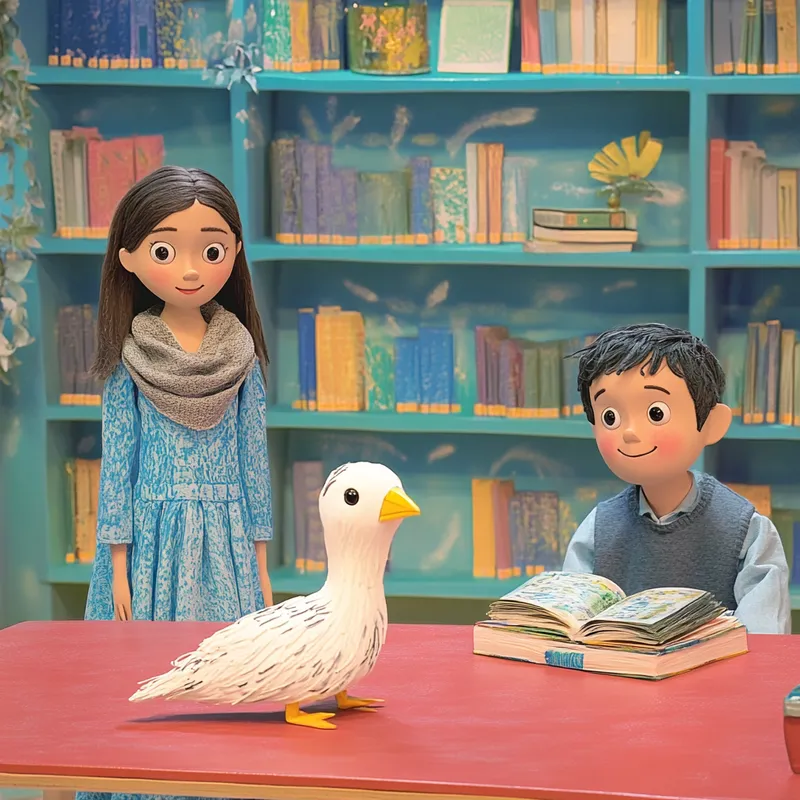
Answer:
(454, 723)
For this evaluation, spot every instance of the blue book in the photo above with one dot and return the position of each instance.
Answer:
(795, 580)
(406, 375)
(143, 34)
(121, 57)
(307, 168)
(67, 34)
(436, 370)
(547, 36)
(53, 32)
(769, 33)
(421, 204)
(722, 47)
(169, 32)
(738, 51)
(307, 358)
(95, 34)
(325, 195)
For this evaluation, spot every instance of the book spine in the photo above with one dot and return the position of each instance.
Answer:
(286, 212)
(589, 35)
(301, 49)
(306, 333)
(504, 562)
(54, 32)
(495, 192)
(349, 182)
(484, 564)
(426, 370)
(796, 399)
(576, 35)
(769, 30)
(716, 189)
(601, 37)
(762, 376)
(547, 33)
(66, 358)
(772, 370)
(662, 35)
(786, 21)
(449, 195)
(88, 331)
(722, 52)
(787, 377)
(406, 391)
(529, 25)
(169, 32)
(316, 556)
(307, 162)
(325, 198)
(563, 31)
(517, 535)
(143, 34)
(421, 207)
(148, 154)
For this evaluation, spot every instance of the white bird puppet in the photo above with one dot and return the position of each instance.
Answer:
(308, 648)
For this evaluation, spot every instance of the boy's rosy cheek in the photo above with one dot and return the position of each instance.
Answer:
(606, 443)
(669, 444)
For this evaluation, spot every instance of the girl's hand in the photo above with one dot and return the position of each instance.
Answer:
(121, 591)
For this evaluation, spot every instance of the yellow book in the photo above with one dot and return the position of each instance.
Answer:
(352, 369)
(646, 37)
(484, 562)
(326, 358)
(786, 18)
(600, 37)
(787, 209)
(301, 41)
(482, 232)
(786, 377)
(84, 532)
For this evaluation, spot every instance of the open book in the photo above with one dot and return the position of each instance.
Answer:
(587, 622)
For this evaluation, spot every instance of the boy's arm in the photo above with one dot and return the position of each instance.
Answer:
(580, 552)
(762, 585)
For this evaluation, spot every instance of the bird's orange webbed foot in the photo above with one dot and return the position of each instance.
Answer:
(344, 701)
(318, 719)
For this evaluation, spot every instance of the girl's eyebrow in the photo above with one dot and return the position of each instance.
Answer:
(161, 230)
(213, 230)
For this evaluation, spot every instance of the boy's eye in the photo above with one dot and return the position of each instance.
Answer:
(659, 413)
(214, 253)
(610, 418)
(162, 252)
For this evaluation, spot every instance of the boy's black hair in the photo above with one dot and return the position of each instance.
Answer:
(620, 349)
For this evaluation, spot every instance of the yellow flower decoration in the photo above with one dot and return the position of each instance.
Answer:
(625, 160)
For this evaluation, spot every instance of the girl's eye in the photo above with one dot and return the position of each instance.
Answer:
(162, 252)
(214, 253)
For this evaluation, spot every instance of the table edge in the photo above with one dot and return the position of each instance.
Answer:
(245, 791)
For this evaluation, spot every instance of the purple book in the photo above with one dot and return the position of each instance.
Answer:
(421, 205)
(348, 184)
(326, 200)
(316, 555)
(307, 160)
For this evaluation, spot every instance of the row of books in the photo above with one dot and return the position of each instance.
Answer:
(92, 174)
(762, 367)
(83, 489)
(130, 34)
(526, 380)
(621, 37)
(514, 533)
(76, 331)
(315, 202)
(587, 230)
(751, 204)
(753, 37)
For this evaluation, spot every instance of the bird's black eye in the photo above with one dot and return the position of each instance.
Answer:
(350, 496)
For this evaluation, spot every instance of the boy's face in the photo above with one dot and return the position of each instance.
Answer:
(646, 425)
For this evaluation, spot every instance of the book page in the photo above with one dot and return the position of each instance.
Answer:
(650, 607)
(572, 597)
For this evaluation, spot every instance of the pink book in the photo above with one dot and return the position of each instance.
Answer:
(529, 23)
(111, 174)
(502, 492)
(149, 154)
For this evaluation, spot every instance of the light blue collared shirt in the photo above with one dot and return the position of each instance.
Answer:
(762, 585)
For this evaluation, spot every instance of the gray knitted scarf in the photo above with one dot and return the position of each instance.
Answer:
(192, 389)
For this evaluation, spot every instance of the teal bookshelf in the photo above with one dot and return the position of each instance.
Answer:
(672, 277)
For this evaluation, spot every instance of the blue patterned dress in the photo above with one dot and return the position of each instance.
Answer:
(190, 504)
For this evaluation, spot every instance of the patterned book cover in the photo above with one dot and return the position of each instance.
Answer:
(196, 53)
(327, 357)
(148, 154)
(516, 530)
(544, 544)
(436, 370)
(121, 55)
(67, 35)
(339, 212)
(326, 199)
(269, 34)
(100, 208)
(379, 366)
(307, 161)
(119, 161)
(143, 34)
(53, 33)
(285, 191)
(253, 27)
(283, 36)
(169, 32)
(351, 362)
(92, 34)
(449, 194)
(331, 29)
(108, 35)
(421, 227)
(307, 359)
(406, 374)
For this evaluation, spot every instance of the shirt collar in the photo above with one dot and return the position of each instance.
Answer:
(685, 506)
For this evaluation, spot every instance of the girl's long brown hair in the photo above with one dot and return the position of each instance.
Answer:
(163, 192)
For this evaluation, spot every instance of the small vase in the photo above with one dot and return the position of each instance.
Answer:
(389, 39)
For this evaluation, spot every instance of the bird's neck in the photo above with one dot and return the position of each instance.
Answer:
(356, 570)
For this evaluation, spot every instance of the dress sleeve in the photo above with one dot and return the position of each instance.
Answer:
(253, 457)
(120, 459)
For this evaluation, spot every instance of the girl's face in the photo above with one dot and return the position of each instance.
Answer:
(187, 258)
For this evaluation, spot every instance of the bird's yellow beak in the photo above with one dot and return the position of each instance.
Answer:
(397, 505)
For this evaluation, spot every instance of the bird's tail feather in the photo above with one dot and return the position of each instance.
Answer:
(160, 686)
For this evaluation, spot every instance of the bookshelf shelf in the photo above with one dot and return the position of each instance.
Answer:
(147, 78)
(674, 278)
(353, 83)
(499, 255)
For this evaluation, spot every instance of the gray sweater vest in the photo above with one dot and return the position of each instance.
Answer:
(697, 550)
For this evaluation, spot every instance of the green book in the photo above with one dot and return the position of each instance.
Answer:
(379, 357)
(584, 218)
(449, 194)
(550, 378)
(732, 356)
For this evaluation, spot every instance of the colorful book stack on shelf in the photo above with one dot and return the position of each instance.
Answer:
(520, 183)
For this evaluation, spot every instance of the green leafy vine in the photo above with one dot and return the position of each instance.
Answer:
(18, 198)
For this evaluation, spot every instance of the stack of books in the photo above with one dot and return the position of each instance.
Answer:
(592, 230)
